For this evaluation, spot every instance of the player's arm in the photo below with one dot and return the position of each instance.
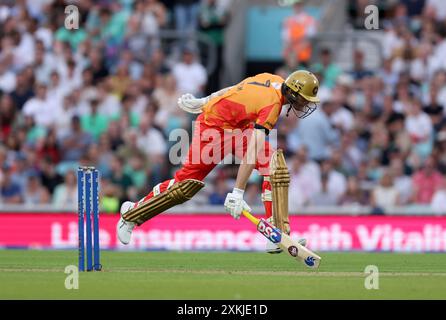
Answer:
(234, 202)
(190, 104)
(255, 145)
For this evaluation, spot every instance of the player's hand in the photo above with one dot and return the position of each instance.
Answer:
(234, 203)
(190, 104)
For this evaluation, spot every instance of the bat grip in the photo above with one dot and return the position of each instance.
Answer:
(248, 215)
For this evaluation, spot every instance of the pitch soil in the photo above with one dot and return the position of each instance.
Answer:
(28, 274)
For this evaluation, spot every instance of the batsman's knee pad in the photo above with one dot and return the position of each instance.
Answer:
(177, 193)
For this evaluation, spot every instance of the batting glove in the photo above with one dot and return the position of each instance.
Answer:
(234, 203)
(190, 104)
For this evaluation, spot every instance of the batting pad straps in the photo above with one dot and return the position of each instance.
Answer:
(176, 194)
(266, 189)
(157, 189)
(267, 195)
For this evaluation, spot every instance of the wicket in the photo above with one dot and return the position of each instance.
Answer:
(88, 204)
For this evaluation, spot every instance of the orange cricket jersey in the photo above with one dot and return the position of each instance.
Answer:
(256, 100)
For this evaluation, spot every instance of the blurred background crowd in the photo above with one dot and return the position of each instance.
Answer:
(105, 95)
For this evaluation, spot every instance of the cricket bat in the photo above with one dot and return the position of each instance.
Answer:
(284, 241)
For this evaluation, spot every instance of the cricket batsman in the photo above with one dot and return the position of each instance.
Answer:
(235, 120)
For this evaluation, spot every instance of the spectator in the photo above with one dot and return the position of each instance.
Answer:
(385, 195)
(7, 77)
(440, 150)
(49, 148)
(23, 90)
(94, 123)
(76, 141)
(97, 66)
(354, 195)
(127, 109)
(42, 63)
(389, 76)
(316, 133)
(21, 170)
(169, 116)
(359, 70)
(56, 90)
(435, 9)
(190, 74)
(336, 183)
(419, 126)
(42, 108)
(290, 64)
(109, 104)
(105, 155)
(426, 181)
(399, 138)
(49, 176)
(11, 193)
(120, 81)
(35, 192)
(119, 178)
(73, 36)
(152, 17)
(403, 182)
(213, 18)
(303, 185)
(110, 198)
(137, 169)
(135, 68)
(351, 154)
(329, 70)
(34, 132)
(114, 130)
(65, 194)
(8, 115)
(252, 194)
(217, 197)
(158, 61)
(186, 15)
(422, 68)
(308, 165)
(341, 117)
(68, 110)
(297, 32)
(324, 197)
(438, 203)
(150, 140)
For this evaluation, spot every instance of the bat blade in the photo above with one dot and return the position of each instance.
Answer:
(285, 242)
(299, 252)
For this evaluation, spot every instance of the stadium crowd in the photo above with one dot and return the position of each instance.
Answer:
(105, 95)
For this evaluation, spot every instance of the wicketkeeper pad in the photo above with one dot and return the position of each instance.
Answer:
(280, 181)
(178, 193)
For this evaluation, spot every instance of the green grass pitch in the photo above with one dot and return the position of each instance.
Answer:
(224, 275)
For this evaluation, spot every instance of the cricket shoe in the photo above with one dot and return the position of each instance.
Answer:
(124, 228)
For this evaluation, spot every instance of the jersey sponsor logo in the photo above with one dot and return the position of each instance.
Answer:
(269, 231)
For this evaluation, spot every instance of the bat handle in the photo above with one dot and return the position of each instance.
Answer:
(248, 215)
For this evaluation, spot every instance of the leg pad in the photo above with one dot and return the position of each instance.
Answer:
(280, 180)
(178, 193)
